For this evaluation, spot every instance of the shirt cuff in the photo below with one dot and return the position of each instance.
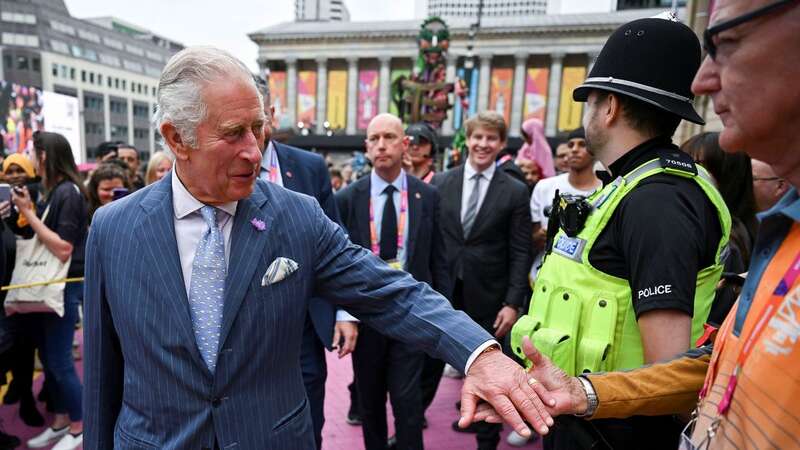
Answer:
(344, 316)
(477, 353)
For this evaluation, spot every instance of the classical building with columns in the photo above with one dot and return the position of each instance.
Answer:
(340, 74)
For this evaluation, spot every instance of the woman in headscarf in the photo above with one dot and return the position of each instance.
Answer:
(536, 148)
(18, 171)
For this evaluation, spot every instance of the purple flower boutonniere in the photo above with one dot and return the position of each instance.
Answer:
(258, 224)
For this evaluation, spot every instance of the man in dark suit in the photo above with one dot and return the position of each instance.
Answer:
(306, 172)
(395, 216)
(487, 230)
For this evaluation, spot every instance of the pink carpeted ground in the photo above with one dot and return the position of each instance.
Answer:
(337, 434)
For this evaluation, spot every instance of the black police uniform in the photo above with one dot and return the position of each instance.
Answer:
(663, 232)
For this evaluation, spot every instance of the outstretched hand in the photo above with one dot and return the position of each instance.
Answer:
(566, 391)
(501, 382)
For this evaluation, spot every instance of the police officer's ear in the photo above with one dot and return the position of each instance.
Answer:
(611, 110)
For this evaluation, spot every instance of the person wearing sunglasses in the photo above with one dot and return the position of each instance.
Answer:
(768, 187)
(748, 378)
(422, 149)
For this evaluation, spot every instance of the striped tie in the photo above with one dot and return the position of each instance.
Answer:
(472, 205)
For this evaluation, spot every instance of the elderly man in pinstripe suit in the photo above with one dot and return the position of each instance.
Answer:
(193, 331)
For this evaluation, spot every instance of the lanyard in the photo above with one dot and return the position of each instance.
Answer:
(503, 160)
(273, 166)
(401, 221)
(751, 335)
(427, 178)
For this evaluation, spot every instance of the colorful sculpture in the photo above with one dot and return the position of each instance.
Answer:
(424, 96)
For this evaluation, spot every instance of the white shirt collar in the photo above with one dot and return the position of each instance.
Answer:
(184, 203)
(469, 171)
(378, 184)
(266, 158)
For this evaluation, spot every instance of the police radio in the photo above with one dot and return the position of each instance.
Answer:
(573, 211)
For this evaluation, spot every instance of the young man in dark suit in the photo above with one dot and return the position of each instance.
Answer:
(305, 172)
(396, 216)
(487, 233)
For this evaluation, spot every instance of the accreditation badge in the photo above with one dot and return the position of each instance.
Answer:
(395, 264)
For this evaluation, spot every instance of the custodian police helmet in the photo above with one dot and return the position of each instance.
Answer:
(653, 60)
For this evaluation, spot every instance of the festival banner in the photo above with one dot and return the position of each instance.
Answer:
(500, 92)
(396, 73)
(61, 115)
(307, 97)
(277, 90)
(367, 97)
(20, 116)
(337, 99)
(569, 111)
(534, 106)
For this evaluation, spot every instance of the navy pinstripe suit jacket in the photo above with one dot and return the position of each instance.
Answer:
(146, 385)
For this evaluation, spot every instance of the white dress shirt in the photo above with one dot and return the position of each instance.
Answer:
(466, 191)
(269, 157)
(190, 226)
(377, 186)
(469, 183)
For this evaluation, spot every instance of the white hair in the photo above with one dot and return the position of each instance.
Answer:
(180, 88)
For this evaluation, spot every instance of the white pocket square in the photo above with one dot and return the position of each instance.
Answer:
(280, 269)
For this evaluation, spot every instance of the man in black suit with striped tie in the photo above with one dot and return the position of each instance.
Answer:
(394, 215)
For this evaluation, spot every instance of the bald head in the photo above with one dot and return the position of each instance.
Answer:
(386, 144)
(386, 120)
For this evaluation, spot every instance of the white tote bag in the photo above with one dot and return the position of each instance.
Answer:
(35, 263)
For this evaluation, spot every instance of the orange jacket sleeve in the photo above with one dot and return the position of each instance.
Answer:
(670, 387)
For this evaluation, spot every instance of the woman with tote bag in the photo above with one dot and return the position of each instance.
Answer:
(61, 228)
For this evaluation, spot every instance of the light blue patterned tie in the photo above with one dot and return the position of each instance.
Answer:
(207, 288)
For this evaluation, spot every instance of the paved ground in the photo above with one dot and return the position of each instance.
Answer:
(337, 435)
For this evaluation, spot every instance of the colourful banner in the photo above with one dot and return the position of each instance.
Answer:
(277, 90)
(337, 99)
(534, 106)
(397, 73)
(307, 97)
(569, 111)
(20, 115)
(500, 92)
(367, 97)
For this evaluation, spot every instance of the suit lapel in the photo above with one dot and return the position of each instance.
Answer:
(247, 246)
(454, 188)
(361, 208)
(288, 167)
(490, 202)
(162, 252)
(414, 218)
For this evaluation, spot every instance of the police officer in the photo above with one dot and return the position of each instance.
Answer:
(630, 275)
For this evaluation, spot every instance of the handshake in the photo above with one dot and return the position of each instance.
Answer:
(515, 395)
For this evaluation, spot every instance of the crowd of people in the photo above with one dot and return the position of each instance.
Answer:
(50, 202)
(589, 291)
